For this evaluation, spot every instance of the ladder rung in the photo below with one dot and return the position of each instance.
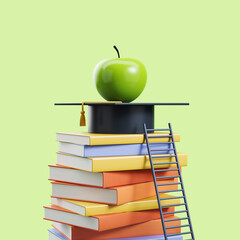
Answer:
(166, 170)
(167, 149)
(178, 190)
(168, 177)
(180, 226)
(175, 219)
(157, 143)
(159, 136)
(165, 184)
(163, 156)
(150, 130)
(183, 211)
(171, 198)
(173, 205)
(165, 163)
(176, 234)
(154, 143)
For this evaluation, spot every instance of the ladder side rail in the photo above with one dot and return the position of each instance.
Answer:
(180, 177)
(155, 183)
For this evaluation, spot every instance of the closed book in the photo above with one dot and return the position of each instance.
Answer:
(153, 227)
(104, 179)
(90, 209)
(150, 237)
(113, 150)
(85, 138)
(117, 163)
(54, 234)
(102, 222)
(114, 195)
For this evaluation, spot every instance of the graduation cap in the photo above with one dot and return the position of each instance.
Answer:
(117, 117)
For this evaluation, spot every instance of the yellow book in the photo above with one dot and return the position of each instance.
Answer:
(117, 163)
(92, 209)
(85, 138)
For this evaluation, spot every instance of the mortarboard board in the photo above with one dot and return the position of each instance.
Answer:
(118, 117)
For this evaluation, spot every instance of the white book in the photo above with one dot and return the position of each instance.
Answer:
(54, 213)
(115, 195)
(86, 138)
(84, 193)
(71, 175)
(102, 179)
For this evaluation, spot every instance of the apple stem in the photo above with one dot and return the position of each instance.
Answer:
(116, 50)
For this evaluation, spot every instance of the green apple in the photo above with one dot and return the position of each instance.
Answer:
(120, 79)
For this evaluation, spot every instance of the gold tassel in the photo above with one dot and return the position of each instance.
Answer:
(82, 117)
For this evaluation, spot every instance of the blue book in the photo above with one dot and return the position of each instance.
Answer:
(55, 235)
(112, 150)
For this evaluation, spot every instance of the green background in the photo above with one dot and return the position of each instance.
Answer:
(191, 51)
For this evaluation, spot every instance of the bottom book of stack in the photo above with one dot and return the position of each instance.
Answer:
(54, 234)
(67, 232)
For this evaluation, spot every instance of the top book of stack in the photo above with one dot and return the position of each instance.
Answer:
(111, 139)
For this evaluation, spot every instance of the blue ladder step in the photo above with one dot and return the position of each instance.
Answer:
(175, 212)
(176, 234)
(168, 177)
(164, 163)
(159, 136)
(166, 170)
(163, 156)
(167, 129)
(165, 184)
(180, 226)
(172, 198)
(175, 219)
(174, 205)
(178, 190)
(167, 149)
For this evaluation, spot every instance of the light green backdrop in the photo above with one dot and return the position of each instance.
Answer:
(191, 51)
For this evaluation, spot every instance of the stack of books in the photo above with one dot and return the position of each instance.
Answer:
(102, 188)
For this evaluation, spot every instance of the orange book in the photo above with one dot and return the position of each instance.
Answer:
(103, 179)
(153, 227)
(114, 196)
(102, 222)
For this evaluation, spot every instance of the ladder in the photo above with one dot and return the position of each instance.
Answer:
(173, 153)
